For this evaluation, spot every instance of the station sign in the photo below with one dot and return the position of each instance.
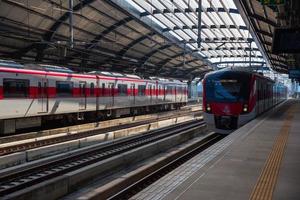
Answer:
(294, 73)
(272, 2)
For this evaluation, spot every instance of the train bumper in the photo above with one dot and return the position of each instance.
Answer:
(226, 124)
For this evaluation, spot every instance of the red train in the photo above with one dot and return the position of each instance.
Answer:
(232, 97)
(34, 95)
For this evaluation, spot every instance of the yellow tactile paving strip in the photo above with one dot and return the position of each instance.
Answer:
(266, 182)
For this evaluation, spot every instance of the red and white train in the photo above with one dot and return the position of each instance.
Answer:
(232, 97)
(36, 94)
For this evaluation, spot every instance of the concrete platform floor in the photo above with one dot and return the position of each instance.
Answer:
(259, 161)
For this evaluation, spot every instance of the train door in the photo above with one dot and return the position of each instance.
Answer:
(111, 94)
(132, 94)
(82, 95)
(150, 92)
(165, 92)
(175, 93)
(258, 96)
(97, 93)
(154, 93)
(43, 96)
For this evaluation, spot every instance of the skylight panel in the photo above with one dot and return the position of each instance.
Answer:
(204, 45)
(209, 33)
(191, 46)
(215, 45)
(185, 20)
(215, 18)
(193, 3)
(235, 32)
(180, 4)
(238, 19)
(227, 33)
(206, 20)
(227, 52)
(220, 52)
(241, 52)
(214, 60)
(183, 35)
(258, 53)
(202, 54)
(135, 5)
(176, 35)
(155, 21)
(229, 4)
(146, 6)
(226, 18)
(165, 20)
(245, 33)
(157, 4)
(205, 4)
(244, 45)
(209, 19)
(216, 3)
(228, 45)
(191, 33)
(253, 45)
(168, 5)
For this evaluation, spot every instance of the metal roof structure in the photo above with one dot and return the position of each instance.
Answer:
(144, 37)
(263, 20)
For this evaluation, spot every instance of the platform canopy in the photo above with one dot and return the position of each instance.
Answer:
(144, 37)
(263, 20)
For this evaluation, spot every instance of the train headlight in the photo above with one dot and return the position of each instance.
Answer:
(208, 109)
(245, 108)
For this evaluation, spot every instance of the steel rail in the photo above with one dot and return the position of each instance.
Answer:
(153, 176)
(27, 177)
(63, 138)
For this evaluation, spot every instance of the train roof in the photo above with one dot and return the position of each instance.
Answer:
(40, 67)
(43, 68)
(50, 68)
(241, 70)
(114, 74)
(11, 64)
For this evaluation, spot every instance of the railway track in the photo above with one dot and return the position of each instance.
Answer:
(149, 176)
(67, 137)
(17, 180)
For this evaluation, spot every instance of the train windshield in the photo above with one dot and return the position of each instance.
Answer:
(227, 87)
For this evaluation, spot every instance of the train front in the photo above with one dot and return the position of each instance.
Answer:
(226, 100)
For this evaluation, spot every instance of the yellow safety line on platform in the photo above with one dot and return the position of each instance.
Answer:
(266, 182)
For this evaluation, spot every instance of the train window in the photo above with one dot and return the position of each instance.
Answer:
(228, 87)
(122, 89)
(141, 90)
(178, 89)
(15, 88)
(103, 89)
(64, 88)
(92, 89)
(169, 89)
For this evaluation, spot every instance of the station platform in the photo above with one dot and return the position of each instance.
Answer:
(258, 161)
